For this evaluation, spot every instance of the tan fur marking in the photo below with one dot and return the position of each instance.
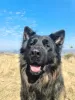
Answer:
(62, 95)
(58, 40)
(45, 79)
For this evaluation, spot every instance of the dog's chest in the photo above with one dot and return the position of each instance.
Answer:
(40, 91)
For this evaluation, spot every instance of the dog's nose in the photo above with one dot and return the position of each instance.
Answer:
(35, 53)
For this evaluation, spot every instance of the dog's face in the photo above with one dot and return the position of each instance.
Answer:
(40, 51)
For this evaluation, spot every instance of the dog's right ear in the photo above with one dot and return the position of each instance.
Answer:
(28, 32)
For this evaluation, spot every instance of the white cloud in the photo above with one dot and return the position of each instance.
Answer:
(22, 13)
(34, 24)
(4, 11)
(0, 14)
(10, 12)
(9, 18)
(11, 30)
(73, 38)
(18, 13)
(14, 22)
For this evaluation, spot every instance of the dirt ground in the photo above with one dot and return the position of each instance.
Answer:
(10, 77)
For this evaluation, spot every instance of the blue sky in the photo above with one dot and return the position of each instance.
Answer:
(44, 16)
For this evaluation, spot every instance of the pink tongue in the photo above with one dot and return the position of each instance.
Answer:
(35, 68)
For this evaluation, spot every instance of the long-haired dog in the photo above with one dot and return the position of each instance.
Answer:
(40, 66)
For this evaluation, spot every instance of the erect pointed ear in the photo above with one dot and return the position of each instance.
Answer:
(28, 32)
(58, 37)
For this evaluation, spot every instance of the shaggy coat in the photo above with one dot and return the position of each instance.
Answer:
(46, 81)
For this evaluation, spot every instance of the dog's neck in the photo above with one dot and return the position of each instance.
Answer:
(32, 78)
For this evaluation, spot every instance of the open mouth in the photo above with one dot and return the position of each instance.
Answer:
(35, 69)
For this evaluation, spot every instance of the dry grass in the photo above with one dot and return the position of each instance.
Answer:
(10, 78)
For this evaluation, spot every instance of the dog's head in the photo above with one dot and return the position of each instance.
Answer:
(40, 51)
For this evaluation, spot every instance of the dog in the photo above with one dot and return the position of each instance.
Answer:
(40, 66)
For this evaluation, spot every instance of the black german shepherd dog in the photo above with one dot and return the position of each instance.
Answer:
(40, 66)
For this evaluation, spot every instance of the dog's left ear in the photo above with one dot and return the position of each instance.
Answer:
(58, 37)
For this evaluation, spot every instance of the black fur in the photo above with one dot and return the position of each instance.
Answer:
(45, 52)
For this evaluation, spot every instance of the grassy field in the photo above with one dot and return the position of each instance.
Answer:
(10, 77)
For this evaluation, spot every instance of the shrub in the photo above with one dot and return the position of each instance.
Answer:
(67, 56)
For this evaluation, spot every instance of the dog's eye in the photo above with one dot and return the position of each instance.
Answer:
(33, 42)
(45, 43)
(50, 50)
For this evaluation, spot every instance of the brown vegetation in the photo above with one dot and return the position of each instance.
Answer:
(10, 77)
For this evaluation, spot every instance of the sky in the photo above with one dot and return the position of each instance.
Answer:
(43, 16)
